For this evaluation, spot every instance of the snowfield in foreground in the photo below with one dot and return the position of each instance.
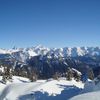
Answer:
(23, 89)
(91, 91)
(88, 96)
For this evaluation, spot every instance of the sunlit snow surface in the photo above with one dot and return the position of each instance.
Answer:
(23, 89)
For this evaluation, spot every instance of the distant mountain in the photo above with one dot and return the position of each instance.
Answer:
(25, 53)
(47, 61)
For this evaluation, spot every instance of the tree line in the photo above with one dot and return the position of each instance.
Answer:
(33, 74)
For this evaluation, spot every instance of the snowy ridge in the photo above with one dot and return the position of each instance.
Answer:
(58, 52)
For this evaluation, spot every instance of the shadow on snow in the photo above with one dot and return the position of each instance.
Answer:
(66, 94)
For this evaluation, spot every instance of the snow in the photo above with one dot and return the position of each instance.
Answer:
(79, 73)
(88, 96)
(80, 51)
(16, 79)
(22, 89)
(58, 52)
(91, 91)
(9, 51)
(1, 69)
(3, 51)
(55, 86)
(32, 53)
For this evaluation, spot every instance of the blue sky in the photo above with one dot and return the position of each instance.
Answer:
(52, 23)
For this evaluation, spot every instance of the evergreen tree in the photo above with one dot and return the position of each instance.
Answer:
(7, 74)
(77, 77)
(33, 76)
(90, 73)
(56, 76)
(69, 74)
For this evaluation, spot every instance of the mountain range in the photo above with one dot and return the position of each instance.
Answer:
(25, 53)
(47, 61)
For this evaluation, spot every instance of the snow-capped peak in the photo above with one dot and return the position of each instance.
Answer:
(57, 52)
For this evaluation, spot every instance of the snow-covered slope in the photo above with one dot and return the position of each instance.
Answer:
(91, 91)
(22, 89)
(88, 96)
